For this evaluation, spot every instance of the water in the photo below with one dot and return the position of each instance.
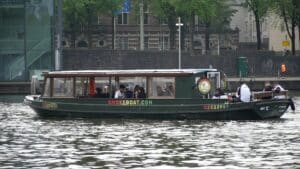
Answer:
(27, 141)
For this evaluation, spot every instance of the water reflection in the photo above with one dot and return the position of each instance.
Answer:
(28, 141)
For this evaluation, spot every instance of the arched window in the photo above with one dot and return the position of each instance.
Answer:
(82, 44)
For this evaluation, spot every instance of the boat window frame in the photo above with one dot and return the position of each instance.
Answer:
(50, 87)
(118, 80)
(149, 85)
(73, 87)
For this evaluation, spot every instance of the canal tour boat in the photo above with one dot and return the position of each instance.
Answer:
(148, 94)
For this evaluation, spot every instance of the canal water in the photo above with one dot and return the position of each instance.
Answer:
(27, 141)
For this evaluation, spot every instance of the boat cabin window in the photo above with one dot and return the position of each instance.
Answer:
(135, 87)
(102, 87)
(47, 88)
(162, 87)
(81, 85)
(92, 87)
(63, 87)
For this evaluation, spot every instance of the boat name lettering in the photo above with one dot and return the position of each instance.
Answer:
(215, 106)
(130, 102)
(266, 108)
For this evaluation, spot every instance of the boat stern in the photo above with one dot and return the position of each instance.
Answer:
(272, 109)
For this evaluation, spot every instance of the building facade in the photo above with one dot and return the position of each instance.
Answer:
(273, 30)
(26, 38)
(156, 34)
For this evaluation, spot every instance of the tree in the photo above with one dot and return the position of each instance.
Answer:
(73, 16)
(297, 8)
(81, 12)
(186, 11)
(212, 12)
(111, 8)
(209, 11)
(259, 9)
(166, 11)
(287, 9)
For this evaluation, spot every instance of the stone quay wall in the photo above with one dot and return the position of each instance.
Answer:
(260, 63)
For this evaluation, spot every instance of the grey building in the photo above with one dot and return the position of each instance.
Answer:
(26, 38)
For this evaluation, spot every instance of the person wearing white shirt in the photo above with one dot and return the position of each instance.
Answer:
(119, 94)
(245, 93)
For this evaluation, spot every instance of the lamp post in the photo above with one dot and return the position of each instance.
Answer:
(58, 47)
(141, 25)
(179, 24)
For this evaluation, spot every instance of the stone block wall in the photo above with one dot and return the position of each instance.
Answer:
(260, 63)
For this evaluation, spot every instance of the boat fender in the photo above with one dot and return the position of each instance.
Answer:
(292, 104)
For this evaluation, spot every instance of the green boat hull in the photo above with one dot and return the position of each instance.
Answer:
(203, 109)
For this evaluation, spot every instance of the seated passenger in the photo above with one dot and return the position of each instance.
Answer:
(99, 93)
(277, 89)
(170, 90)
(268, 88)
(220, 94)
(119, 94)
(128, 93)
(141, 93)
(136, 91)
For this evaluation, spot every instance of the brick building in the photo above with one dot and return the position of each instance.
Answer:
(156, 34)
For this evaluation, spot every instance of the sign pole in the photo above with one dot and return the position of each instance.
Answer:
(179, 24)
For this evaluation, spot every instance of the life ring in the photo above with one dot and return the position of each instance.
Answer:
(204, 86)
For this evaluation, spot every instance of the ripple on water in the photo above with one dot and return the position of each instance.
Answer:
(30, 142)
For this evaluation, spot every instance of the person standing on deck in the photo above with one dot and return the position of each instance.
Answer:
(245, 93)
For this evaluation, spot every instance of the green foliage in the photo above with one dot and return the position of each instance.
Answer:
(73, 12)
(163, 9)
(289, 11)
(259, 7)
(206, 9)
(80, 12)
(222, 18)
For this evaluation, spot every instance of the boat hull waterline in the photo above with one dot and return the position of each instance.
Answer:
(202, 109)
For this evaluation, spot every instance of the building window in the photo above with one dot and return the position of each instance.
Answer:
(82, 44)
(164, 43)
(146, 18)
(123, 19)
(146, 42)
(123, 43)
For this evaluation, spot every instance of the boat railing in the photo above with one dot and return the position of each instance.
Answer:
(269, 94)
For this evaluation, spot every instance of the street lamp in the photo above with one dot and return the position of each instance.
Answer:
(179, 24)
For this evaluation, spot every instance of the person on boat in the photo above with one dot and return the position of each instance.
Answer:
(128, 92)
(170, 90)
(220, 94)
(136, 91)
(119, 94)
(277, 89)
(100, 93)
(268, 88)
(243, 93)
(141, 92)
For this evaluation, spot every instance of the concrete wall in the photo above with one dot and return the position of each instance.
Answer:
(261, 63)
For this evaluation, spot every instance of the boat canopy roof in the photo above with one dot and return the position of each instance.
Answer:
(135, 72)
